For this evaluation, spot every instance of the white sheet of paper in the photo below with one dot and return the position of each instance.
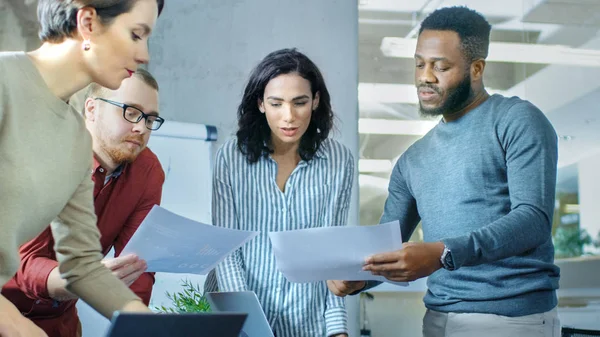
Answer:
(333, 253)
(174, 244)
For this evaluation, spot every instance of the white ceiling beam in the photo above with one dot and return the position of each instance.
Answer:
(394, 93)
(376, 183)
(374, 165)
(387, 93)
(369, 108)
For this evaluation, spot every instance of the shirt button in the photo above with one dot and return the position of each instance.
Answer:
(101, 170)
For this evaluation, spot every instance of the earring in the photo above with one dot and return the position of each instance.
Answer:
(86, 45)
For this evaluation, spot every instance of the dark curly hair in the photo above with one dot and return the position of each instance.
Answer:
(254, 134)
(472, 28)
(58, 18)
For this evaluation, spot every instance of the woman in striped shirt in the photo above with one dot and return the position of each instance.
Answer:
(283, 172)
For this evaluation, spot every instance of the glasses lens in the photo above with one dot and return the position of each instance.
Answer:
(132, 114)
(153, 122)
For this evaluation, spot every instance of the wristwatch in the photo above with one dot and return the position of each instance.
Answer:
(446, 259)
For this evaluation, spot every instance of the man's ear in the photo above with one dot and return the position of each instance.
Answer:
(477, 68)
(89, 109)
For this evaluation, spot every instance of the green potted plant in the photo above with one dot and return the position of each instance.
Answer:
(570, 241)
(189, 299)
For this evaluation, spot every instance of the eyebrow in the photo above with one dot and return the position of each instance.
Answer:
(435, 59)
(145, 27)
(293, 99)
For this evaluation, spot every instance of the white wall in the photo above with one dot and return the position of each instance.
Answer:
(13, 36)
(395, 314)
(589, 196)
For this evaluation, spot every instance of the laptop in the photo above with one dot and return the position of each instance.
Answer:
(125, 324)
(256, 324)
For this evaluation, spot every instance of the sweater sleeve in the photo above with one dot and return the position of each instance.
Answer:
(78, 251)
(531, 151)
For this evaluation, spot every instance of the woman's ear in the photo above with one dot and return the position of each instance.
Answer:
(316, 101)
(87, 25)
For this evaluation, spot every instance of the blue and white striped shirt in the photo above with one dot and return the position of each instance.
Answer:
(246, 197)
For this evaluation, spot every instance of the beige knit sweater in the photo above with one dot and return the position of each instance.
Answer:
(45, 178)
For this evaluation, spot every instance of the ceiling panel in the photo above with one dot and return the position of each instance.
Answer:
(566, 12)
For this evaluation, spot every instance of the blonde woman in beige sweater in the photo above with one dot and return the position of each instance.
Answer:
(46, 151)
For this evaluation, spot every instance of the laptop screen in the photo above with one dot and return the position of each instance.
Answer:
(256, 324)
(180, 325)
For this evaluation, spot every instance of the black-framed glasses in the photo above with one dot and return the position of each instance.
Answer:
(135, 115)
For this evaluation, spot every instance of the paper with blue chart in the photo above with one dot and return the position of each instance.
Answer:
(174, 244)
(333, 253)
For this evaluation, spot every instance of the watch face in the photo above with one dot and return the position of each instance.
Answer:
(448, 262)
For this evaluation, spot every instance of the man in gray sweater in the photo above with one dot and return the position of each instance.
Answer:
(482, 183)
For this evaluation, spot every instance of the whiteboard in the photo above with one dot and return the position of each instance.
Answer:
(184, 151)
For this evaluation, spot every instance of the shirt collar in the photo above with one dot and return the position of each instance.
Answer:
(320, 154)
(116, 173)
(321, 151)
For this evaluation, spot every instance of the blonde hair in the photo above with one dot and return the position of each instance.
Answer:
(96, 90)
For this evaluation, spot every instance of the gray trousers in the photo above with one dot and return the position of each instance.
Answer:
(439, 324)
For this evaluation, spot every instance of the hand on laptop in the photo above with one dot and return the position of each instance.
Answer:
(127, 267)
(135, 306)
(13, 324)
(343, 288)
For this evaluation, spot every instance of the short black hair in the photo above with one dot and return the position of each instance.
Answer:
(58, 18)
(471, 27)
(254, 134)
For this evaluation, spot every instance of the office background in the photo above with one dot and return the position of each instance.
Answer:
(546, 51)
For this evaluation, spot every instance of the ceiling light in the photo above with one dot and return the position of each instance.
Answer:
(508, 52)
(394, 127)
